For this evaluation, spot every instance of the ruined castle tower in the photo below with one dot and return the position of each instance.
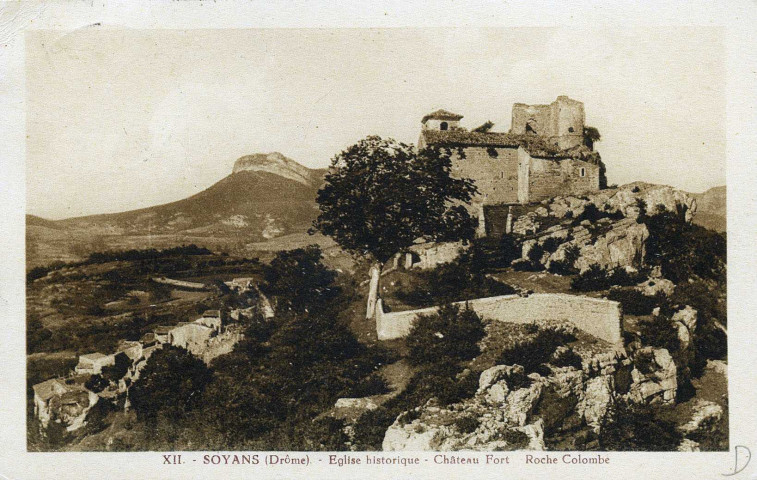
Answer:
(561, 122)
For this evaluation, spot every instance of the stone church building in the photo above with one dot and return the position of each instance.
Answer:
(543, 155)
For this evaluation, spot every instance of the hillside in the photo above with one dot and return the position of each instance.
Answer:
(266, 196)
(711, 209)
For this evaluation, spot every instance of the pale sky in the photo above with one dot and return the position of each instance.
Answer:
(125, 119)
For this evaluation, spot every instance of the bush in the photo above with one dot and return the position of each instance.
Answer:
(597, 278)
(567, 358)
(467, 424)
(509, 248)
(535, 254)
(300, 281)
(551, 244)
(594, 214)
(637, 428)
(170, 385)
(534, 351)
(636, 302)
(659, 331)
(450, 334)
(452, 282)
(684, 250)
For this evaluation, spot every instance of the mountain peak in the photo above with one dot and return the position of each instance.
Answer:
(278, 164)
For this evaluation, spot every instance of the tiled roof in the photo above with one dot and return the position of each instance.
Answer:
(441, 115)
(49, 388)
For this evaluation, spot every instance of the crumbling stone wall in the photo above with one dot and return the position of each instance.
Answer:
(561, 122)
(598, 317)
(548, 178)
(494, 169)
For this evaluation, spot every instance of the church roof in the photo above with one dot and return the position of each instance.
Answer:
(441, 115)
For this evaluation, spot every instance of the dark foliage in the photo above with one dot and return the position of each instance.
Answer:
(451, 282)
(372, 385)
(380, 195)
(636, 302)
(594, 214)
(509, 248)
(467, 424)
(117, 371)
(535, 351)
(597, 278)
(659, 331)
(567, 358)
(170, 385)
(684, 250)
(451, 333)
(485, 127)
(637, 428)
(96, 383)
(299, 280)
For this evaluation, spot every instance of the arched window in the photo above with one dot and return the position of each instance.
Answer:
(570, 129)
(583, 172)
(443, 126)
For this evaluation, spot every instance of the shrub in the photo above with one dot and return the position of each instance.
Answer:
(523, 265)
(660, 332)
(535, 254)
(467, 424)
(509, 248)
(96, 383)
(299, 280)
(638, 428)
(597, 278)
(684, 250)
(567, 358)
(636, 302)
(551, 243)
(170, 385)
(534, 351)
(451, 282)
(450, 334)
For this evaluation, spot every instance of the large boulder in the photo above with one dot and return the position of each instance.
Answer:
(655, 377)
(597, 398)
(622, 246)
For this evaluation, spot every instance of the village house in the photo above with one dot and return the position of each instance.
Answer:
(211, 319)
(161, 333)
(131, 349)
(191, 336)
(93, 363)
(63, 400)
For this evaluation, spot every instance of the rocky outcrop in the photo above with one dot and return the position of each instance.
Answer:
(654, 378)
(608, 242)
(622, 246)
(278, 164)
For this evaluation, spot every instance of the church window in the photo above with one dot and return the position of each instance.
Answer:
(501, 174)
(570, 129)
(443, 126)
(583, 172)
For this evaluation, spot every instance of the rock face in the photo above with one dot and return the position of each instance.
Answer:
(511, 410)
(609, 242)
(278, 164)
(655, 378)
(622, 246)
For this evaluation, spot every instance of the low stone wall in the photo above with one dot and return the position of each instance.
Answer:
(598, 317)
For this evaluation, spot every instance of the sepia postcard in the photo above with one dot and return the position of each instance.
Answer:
(397, 240)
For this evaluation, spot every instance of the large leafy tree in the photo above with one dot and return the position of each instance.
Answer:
(381, 195)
